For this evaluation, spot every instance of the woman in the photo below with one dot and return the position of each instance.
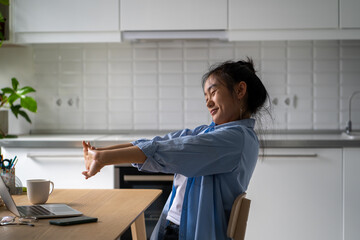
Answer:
(212, 164)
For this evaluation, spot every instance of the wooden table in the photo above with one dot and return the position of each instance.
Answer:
(116, 210)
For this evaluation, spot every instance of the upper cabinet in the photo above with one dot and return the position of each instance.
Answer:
(173, 15)
(294, 20)
(349, 14)
(66, 21)
(59, 21)
(283, 14)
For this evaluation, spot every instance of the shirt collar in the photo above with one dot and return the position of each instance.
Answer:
(248, 122)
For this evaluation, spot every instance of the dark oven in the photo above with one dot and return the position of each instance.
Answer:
(130, 177)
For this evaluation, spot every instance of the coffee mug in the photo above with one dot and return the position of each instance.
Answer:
(38, 190)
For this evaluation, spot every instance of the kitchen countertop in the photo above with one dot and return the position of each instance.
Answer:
(274, 140)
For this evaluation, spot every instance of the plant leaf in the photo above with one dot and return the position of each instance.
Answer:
(12, 98)
(28, 103)
(8, 90)
(4, 2)
(3, 100)
(24, 114)
(1, 18)
(15, 83)
(25, 90)
(15, 109)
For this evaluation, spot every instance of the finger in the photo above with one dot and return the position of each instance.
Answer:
(86, 174)
(85, 145)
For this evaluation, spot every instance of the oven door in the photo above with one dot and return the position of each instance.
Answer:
(130, 177)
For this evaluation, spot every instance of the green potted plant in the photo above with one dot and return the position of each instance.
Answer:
(2, 21)
(9, 96)
(8, 100)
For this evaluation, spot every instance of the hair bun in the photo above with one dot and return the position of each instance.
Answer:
(249, 64)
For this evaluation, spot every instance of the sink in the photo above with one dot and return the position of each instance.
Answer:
(352, 135)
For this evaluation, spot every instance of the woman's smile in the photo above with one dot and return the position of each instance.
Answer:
(214, 111)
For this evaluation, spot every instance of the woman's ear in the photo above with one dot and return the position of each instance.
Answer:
(240, 90)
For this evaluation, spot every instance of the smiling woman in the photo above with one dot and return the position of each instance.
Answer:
(212, 164)
(223, 106)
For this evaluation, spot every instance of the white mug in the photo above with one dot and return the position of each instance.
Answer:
(38, 190)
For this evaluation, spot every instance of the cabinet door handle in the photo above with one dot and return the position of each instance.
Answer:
(148, 178)
(310, 155)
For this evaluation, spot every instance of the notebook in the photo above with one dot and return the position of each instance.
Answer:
(38, 211)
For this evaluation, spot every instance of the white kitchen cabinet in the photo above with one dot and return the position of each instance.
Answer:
(296, 194)
(351, 193)
(66, 21)
(283, 14)
(144, 15)
(63, 166)
(349, 13)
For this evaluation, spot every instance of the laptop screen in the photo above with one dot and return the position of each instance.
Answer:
(6, 197)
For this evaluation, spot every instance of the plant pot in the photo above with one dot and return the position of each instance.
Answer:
(4, 122)
(12, 126)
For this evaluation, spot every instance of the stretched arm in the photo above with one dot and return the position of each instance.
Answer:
(123, 145)
(96, 159)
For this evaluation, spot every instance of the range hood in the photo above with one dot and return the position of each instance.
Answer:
(171, 35)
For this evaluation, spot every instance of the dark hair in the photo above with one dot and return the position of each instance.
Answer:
(230, 73)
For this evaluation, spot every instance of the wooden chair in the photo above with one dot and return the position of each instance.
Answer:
(238, 218)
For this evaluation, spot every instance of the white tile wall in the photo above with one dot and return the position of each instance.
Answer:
(157, 85)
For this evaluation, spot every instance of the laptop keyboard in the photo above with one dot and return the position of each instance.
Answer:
(33, 211)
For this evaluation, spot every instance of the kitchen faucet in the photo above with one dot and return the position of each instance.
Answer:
(349, 126)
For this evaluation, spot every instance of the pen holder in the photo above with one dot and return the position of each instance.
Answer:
(8, 175)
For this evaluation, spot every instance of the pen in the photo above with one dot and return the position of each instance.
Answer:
(13, 166)
(12, 162)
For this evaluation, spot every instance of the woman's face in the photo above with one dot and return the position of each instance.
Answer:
(222, 104)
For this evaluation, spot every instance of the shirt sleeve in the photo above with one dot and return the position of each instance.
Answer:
(172, 135)
(169, 136)
(216, 152)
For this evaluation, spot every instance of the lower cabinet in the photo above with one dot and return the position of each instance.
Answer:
(351, 193)
(296, 194)
(62, 166)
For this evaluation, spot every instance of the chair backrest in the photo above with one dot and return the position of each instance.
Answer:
(238, 218)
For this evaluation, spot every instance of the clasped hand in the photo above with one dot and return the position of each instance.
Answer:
(92, 159)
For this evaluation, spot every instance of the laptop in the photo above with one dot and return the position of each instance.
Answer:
(38, 211)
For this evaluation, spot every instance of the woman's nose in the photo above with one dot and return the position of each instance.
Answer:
(209, 103)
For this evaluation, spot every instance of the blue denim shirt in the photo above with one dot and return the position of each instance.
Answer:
(218, 160)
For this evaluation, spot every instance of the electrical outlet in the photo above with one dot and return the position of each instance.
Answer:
(57, 102)
(66, 102)
(284, 101)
